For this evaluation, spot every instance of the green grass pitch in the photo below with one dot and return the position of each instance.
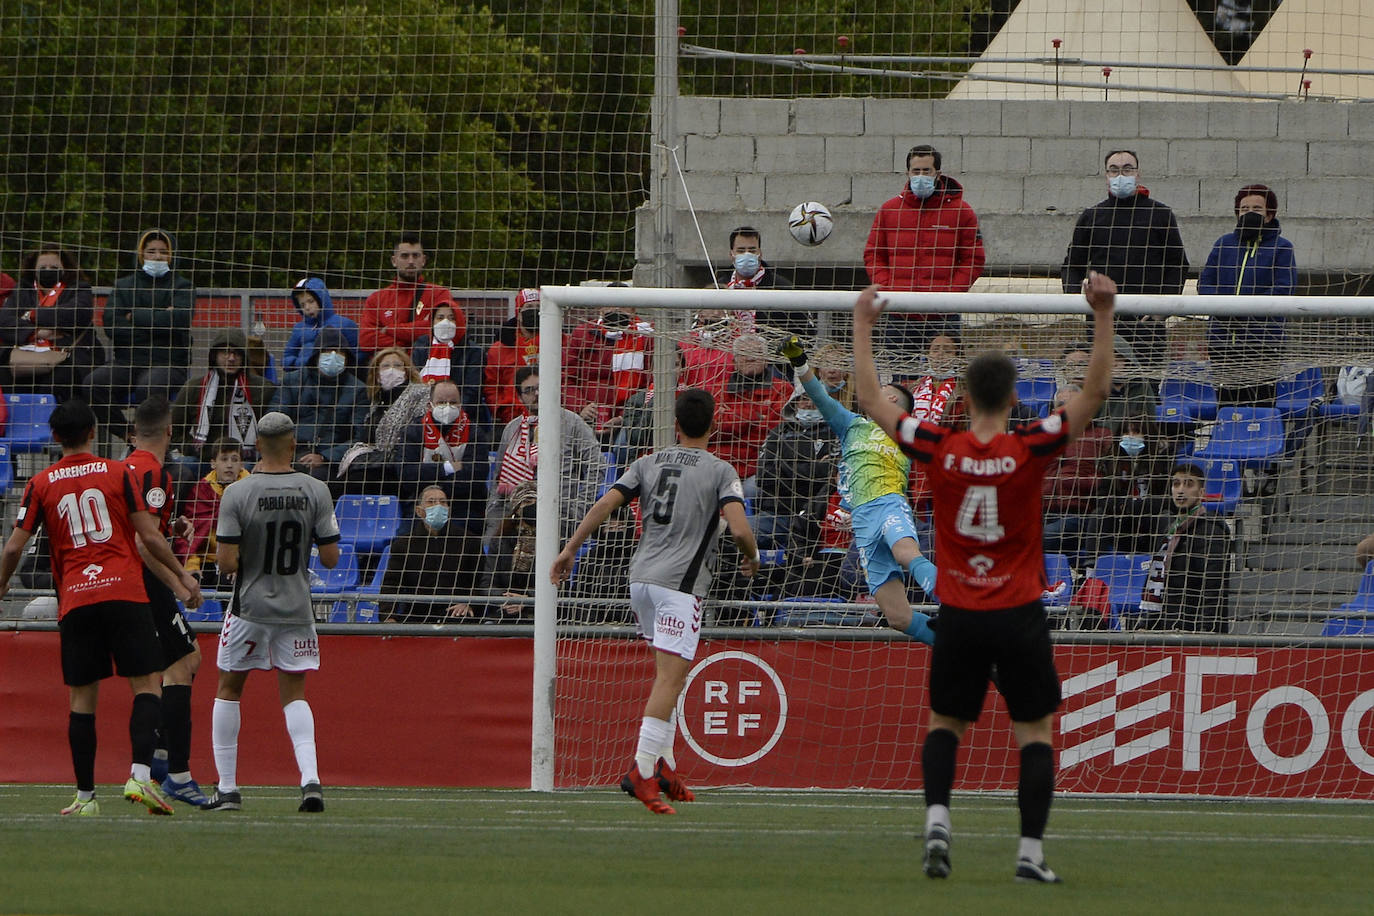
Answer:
(732, 851)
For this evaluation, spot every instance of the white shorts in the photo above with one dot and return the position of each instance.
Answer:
(245, 645)
(672, 617)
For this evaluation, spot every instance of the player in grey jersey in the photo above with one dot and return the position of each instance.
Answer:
(267, 524)
(682, 493)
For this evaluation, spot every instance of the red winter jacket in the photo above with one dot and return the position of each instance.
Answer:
(926, 246)
(604, 372)
(511, 350)
(392, 318)
(745, 411)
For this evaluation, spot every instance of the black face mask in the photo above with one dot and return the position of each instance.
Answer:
(1248, 225)
(616, 321)
(48, 277)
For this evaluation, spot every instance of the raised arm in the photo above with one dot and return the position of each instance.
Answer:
(867, 310)
(1100, 291)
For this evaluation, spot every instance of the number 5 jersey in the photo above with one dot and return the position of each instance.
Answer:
(275, 518)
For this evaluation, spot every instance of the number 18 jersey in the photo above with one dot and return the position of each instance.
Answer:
(681, 492)
(84, 501)
(274, 518)
(986, 497)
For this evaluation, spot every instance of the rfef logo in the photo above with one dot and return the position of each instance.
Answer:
(733, 709)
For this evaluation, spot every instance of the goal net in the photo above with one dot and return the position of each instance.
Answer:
(1232, 459)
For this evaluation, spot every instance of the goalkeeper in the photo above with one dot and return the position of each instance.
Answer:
(873, 483)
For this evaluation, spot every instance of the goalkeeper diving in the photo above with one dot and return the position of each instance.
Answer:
(874, 475)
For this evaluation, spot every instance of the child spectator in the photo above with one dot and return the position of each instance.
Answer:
(313, 301)
(197, 552)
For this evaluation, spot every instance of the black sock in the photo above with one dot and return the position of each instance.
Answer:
(143, 719)
(176, 726)
(1035, 788)
(81, 737)
(937, 763)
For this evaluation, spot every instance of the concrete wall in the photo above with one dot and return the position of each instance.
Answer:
(1028, 168)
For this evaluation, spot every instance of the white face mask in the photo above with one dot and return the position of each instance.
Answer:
(391, 377)
(445, 329)
(444, 414)
(1121, 186)
(156, 269)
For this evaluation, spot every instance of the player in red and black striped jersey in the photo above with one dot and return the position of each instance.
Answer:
(96, 517)
(990, 566)
(181, 655)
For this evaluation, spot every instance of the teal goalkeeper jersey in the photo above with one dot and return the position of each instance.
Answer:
(871, 464)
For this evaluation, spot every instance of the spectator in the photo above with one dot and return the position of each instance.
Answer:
(706, 357)
(197, 550)
(1254, 260)
(226, 401)
(750, 271)
(316, 308)
(925, 239)
(832, 368)
(449, 449)
(604, 362)
(396, 399)
(636, 436)
(582, 467)
(434, 556)
(796, 471)
(1133, 239)
(516, 345)
(6, 286)
(1132, 399)
(508, 556)
(937, 396)
(748, 408)
(398, 314)
(1364, 551)
(51, 311)
(1133, 484)
(1071, 501)
(440, 357)
(1189, 587)
(148, 319)
(327, 401)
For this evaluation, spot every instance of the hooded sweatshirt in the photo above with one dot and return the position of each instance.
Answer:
(215, 405)
(148, 318)
(300, 348)
(326, 410)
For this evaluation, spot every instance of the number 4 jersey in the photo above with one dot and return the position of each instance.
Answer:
(681, 492)
(274, 518)
(987, 509)
(84, 501)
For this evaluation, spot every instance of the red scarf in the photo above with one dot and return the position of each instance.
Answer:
(45, 301)
(445, 446)
(437, 365)
(518, 464)
(738, 282)
(929, 400)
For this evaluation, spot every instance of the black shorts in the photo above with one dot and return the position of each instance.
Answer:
(95, 633)
(969, 643)
(173, 634)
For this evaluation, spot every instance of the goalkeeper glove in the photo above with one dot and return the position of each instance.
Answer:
(796, 355)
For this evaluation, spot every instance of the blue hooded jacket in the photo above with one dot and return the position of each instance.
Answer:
(1264, 267)
(300, 349)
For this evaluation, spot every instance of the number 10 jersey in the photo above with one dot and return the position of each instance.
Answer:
(681, 492)
(274, 518)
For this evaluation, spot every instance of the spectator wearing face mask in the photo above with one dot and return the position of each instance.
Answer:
(1134, 490)
(1252, 260)
(396, 399)
(148, 319)
(748, 407)
(749, 270)
(604, 362)
(316, 307)
(327, 401)
(1134, 239)
(442, 356)
(51, 310)
(1071, 500)
(437, 555)
(707, 354)
(796, 475)
(516, 345)
(448, 448)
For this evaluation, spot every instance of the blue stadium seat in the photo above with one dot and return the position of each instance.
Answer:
(1295, 394)
(1223, 487)
(1363, 602)
(6, 468)
(1057, 571)
(1249, 435)
(813, 617)
(28, 430)
(1036, 392)
(342, 578)
(1186, 400)
(1124, 574)
(368, 523)
(367, 611)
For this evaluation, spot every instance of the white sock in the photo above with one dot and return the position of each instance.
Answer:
(667, 749)
(83, 795)
(937, 814)
(180, 779)
(140, 772)
(1031, 849)
(300, 724)
(224, 738)
(653, 734)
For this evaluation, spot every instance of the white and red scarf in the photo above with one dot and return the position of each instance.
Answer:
(242, 420)
(439, 363)
(518, 465)
(930, 398)
(440, 446)
(45, 301)
(738, 282)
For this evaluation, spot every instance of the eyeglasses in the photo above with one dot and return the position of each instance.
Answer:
(1114, 170)
(530, 389)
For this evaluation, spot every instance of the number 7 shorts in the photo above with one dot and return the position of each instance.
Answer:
(245, 645)
(668, 619)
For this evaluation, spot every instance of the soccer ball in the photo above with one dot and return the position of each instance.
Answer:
(810, 223)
